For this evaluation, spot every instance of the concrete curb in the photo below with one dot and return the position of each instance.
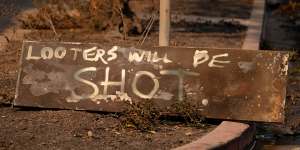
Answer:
(227, 136)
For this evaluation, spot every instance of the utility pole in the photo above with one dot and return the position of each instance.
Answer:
(164, 23)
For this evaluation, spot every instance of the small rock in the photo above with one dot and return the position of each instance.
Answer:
(77, 135)
(153, 132)
(90, 133)
(74, 13)
(188, 133)
(205, 102)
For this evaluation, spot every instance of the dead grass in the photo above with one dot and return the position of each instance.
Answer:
(94, 14)
(142, 116)
(145, 115)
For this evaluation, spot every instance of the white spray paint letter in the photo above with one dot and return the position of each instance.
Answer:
(77, 98)
(29, 54)
(135, 80)
(107, 83)
(180, 74)
(200, 57)
(214, 60)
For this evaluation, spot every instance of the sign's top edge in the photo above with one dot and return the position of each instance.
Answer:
(226, 48)
(77, 43)
(177, 47)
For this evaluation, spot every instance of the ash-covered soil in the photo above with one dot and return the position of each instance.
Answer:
(66, 129)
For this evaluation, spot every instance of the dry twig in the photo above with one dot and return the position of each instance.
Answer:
(52, 26)
(147, 30)
(124, 25)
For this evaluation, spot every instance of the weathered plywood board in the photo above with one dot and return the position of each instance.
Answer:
(228, 84)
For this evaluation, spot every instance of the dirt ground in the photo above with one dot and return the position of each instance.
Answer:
(31, 128)
(66, 129)
(204, 8)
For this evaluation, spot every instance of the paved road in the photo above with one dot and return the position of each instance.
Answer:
(280, 32)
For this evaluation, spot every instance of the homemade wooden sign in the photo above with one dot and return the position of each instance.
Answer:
(228, 84)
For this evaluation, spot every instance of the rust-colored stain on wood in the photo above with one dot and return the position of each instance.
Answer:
(228, 84)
